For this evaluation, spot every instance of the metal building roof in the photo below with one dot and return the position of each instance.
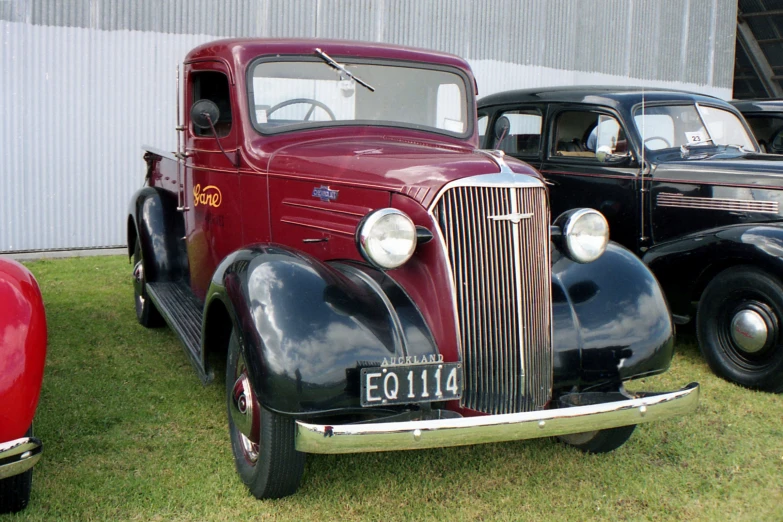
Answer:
(758, 69)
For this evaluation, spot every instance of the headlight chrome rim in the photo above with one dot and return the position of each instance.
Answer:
(364, 238)
(576, 250)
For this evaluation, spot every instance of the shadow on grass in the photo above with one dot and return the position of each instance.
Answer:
(131, 434)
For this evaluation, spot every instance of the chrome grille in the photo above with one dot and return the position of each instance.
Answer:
(502, 283)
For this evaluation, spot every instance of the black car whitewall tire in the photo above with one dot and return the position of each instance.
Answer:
(262, 441)
(146, 313)
(739, 325)
(15, 491)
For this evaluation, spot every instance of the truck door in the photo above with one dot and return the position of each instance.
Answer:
(211, 180)
(588, 162)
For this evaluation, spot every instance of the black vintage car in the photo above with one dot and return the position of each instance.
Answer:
(765, 118)
(683, 184)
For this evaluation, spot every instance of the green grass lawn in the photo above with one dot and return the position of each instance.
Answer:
(130, 434)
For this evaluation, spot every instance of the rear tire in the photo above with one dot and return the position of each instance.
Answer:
(15, 491)
(146, 313)
(600, 441)
(739, 325)
(265, 458)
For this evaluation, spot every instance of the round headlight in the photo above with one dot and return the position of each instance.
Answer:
(387, 238)
(586, 234)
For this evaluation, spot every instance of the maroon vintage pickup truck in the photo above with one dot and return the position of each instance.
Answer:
(372, 280)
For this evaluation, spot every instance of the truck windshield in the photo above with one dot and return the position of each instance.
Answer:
(668, 126)
(287, 95)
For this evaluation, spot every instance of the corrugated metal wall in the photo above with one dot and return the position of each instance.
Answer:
(84, 83)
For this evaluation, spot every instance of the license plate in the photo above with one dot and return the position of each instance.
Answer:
(382, 386)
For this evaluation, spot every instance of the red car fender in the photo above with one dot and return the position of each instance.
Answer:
(22, 348)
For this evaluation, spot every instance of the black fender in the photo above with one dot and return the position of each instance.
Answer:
(611, 321)
(160, 227)
(685, 266)
(307, 328)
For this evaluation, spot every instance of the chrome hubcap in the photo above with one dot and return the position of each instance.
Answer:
(749, 331)
(244, 412)
(138, 281)
(242, 406)
(138, 272)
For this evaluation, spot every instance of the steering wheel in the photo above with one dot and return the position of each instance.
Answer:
(312, 102)
(658, 138)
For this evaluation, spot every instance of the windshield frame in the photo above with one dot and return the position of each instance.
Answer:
(695, 104)
(470, 98)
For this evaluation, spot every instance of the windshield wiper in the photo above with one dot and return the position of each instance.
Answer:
(741, 148)
(330, 62)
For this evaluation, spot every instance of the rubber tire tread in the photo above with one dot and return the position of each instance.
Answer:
(278, 471)
(15, 491)
(604, 441)
(149, 316)
(717, 291)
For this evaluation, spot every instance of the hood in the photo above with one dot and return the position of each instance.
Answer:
(417, 168)
(747, 169)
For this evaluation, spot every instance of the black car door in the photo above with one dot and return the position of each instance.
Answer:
(588, 162)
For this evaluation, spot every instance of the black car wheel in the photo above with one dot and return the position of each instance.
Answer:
(600, 441)
(15, 491)
(146, 313)
(739, 328)
(262, 441)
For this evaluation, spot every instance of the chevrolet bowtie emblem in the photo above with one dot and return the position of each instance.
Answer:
(515, 217)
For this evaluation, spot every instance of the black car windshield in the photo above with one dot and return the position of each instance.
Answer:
(668, 126)
(287, 95)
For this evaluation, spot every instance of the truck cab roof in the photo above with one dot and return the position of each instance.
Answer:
(240, 51)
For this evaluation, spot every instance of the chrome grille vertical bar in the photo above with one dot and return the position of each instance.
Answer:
(518, 275)
(511, 349)
(529, 264)
(501, 296)
(470, 281)
(481, 303)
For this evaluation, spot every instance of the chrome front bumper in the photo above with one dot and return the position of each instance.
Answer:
(17, 456)
(392, 436)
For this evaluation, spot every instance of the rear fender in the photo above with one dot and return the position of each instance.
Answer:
(22, 348)
(611, 321)
(155, 221)
(684, 267)
(307, 328)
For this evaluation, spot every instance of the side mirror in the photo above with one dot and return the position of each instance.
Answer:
(202, 112)
(502, 126)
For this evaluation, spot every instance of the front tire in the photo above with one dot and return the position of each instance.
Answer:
(15, 491)
(146, 313)
(738, 324)
(600, 441)
(262, 441)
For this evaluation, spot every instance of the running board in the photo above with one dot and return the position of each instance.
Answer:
(183, 313)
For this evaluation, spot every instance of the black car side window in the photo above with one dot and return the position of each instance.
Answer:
(213, 86)
(585, 134)
(517, 133)
(481, 123)
(768, 131)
